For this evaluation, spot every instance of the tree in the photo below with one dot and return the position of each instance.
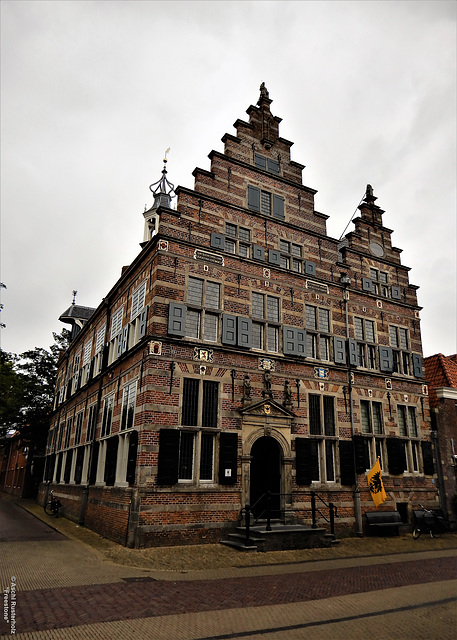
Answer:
(12, 386)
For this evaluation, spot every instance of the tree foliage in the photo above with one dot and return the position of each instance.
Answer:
(27, 385)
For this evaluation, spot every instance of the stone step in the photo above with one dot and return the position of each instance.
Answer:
(235, 544)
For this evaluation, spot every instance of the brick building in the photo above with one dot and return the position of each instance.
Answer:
(243, 351)
(441, 376)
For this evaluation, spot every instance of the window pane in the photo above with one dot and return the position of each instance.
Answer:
(324, 348)
(412, 422)
(329, 416)
(371, 357)
(230, 230)
(257, 305)
(329, 461)
(402, 424)
(377, 417)
(393, 336)
(379, 451)
(324, 321)
(310, 316)
(414, 456)
(257, 336)
(383, 277)
(361, 355)
(403, 338)
(210, 400)
(244, 234)
(272, 309)
(314, 414)
(195, 291)
(284, 246)
(272, 339)
(193, 323)
(213, 291)
(186, 456)
(369, 329)
(190, 401)
(206, 456)
(265, 202)
(285, 262)
(310, 345)
(296, 250)
(296, 266)
(210, 327)
(365, 416)
(358, 328)
(243, 250)
(230, 246)
(373, 274)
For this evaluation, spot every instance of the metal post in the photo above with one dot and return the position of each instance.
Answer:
(332, 518)
(247, 516)
(269, 511)
(313, 509)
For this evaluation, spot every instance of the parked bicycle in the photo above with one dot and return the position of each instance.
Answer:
(429, 522)
(53, 505)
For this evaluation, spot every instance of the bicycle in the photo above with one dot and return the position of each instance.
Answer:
(51, 508)
(429, 522)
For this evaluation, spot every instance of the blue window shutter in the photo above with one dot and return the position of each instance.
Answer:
(289, 340)
(418, 369)
(274, 257)
(367, 285)
(260, 162)
(217, 240)
(352, 352)
(258, 253)
(177, 319)
(143, 323)
(386, 359)
(273, 166)
(310, 268)
(339, 350)
(229, 329)
(253, 198)
(278, 207)
(301, 342)
(244, 327)
(395, 292)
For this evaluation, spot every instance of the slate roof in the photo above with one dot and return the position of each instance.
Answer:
(440, 371)
(77, 312)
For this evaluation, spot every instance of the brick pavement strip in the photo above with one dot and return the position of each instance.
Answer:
(74, 606)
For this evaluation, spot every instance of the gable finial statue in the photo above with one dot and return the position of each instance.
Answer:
(264, 91)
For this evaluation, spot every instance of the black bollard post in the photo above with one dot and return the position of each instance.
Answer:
(269, 511)
(313, 509)
(332, 518)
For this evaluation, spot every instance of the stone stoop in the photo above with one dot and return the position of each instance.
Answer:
(280, 538)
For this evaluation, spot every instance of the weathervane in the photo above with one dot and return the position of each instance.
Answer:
(74, 296)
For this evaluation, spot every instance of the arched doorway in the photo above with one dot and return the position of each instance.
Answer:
(265, 475)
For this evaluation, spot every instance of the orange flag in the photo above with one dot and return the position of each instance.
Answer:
(375, 484)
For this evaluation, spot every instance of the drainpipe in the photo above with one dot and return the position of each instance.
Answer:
(346, 281)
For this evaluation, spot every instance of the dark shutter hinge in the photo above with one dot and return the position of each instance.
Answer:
(390, 405)
(172, 368)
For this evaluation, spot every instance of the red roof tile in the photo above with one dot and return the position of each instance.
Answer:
(440, 371)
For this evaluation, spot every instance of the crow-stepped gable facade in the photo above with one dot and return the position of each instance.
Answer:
(243, 351)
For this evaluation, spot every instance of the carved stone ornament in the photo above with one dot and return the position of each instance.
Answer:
(203, 355)
(155, 348)
(163, 245)
(267, 364)
(321, 372)
(267, 431)
(267, 409)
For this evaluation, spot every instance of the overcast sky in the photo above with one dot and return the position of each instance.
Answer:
(94, 92)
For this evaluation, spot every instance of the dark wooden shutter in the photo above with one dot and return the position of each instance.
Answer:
(210, 403)
(111, 460)
(229, 329)
(386, 359)
(301, 342)
(177, 319)
(367, 285)
(352, 349)
(244, 332)
(93, 462)
(310, 268)
(167, 471)
(418, 370)
(362, 455)
(427, 457)
(228, 458)
(273, 166)
(306, 461)
(190, 401)
(278, 207)
(260, 162)
(258, 253)
(289, 338)
(395, 292)
(339, 350)
(66, 475)
(396, 456)
(217, 240)
(274, 257)
(347, 475)
(253, 198)
(143, 323)
(131, 458)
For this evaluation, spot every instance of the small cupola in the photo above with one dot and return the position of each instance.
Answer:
(76, 316)
(163, 192)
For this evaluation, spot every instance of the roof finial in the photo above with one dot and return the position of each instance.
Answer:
(163, 188)
(74, 296)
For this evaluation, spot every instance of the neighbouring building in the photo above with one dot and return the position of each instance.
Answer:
(441, 376)
(243, 351)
